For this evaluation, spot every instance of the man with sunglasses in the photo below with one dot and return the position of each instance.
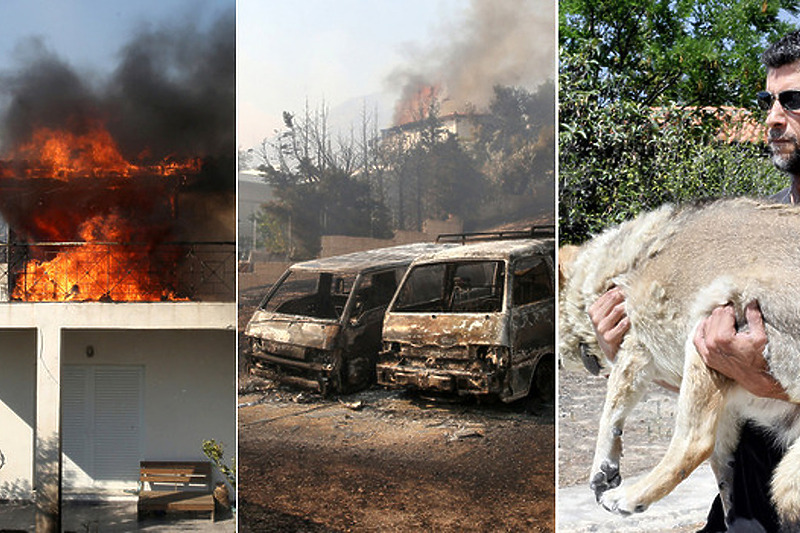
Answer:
(738, 354)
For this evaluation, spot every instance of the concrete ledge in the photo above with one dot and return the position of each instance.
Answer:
(159, 315)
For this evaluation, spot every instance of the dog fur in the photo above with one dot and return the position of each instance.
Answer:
(675, 265)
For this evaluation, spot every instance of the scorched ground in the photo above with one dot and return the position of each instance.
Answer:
(385, 460)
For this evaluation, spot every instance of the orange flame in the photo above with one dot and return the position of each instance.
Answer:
(103, 265)
(63, 154)
(99, 270)
(415, 104)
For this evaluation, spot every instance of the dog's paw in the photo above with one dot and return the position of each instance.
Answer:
(616, 501)
(607, 478)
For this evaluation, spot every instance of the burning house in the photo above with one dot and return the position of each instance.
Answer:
(508, 43)
(413, 112)
(117, 268)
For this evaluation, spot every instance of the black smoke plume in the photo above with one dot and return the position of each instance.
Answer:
(172, 94)
(171, 97)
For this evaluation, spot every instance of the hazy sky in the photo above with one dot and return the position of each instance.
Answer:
(89, 33)
(320, 50)
(335, 51)
(63, 62)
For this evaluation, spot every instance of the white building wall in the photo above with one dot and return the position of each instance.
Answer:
(17, 407)
(188, 351)
(189, 384)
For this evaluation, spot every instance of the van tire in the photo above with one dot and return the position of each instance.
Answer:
(543, 385)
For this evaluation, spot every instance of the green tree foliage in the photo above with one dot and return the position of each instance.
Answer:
(515, 150)
(517, 145)
(274, 232)
(640, 89)
(433, 173)
(691, 52)
(453, 185)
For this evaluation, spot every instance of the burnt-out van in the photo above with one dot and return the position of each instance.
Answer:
(320, 324)
(475, 320)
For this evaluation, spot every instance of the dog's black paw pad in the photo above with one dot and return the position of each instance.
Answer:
(612, 473)
(608, 478)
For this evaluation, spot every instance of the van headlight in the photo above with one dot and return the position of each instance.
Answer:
(493, 356)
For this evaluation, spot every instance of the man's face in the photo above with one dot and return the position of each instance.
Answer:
(784, 125)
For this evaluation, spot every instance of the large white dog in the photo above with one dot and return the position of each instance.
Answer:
(675, 265)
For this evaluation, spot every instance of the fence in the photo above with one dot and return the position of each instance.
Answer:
(119, 272)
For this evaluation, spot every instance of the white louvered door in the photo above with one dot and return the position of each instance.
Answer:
(101, 425)
(76, 439)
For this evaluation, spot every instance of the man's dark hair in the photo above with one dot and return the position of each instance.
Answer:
(782, 52)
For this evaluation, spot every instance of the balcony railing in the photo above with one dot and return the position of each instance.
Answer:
(119, 272)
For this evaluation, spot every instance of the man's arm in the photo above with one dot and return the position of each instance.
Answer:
(738, 354)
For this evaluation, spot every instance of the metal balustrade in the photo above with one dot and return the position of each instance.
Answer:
(118, 272)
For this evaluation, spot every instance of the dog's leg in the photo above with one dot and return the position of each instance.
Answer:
(626, 384)
(786, 489)
(700, 404)
(722, 458)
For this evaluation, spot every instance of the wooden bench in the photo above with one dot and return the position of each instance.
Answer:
(175, 486)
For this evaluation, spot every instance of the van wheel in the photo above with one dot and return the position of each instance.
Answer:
(359, 373)
(544, 379)
(542, 393)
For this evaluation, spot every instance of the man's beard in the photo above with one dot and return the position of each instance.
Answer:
(789, 163)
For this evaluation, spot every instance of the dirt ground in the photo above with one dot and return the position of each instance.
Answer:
(386, 461)
(382, 460)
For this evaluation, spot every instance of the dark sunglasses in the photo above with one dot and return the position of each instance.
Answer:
(790, 100)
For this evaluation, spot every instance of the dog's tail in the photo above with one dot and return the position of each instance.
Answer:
(566, 257)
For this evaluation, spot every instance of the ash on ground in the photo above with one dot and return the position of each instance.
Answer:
(387, 460)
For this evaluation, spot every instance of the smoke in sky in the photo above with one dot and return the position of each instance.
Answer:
(497, 42)
(172, 93)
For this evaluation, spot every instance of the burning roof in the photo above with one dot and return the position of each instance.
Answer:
(104, 189)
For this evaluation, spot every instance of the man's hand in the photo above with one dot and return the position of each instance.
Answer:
(610, 322)
(738, 355)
